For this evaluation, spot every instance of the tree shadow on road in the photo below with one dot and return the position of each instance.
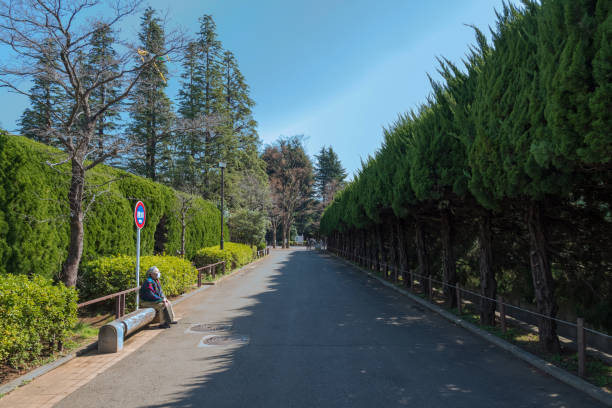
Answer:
(323, 334)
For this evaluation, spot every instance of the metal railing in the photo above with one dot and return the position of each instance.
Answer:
(119, 301)
(580, 329)
(212, 270)
(120, 296)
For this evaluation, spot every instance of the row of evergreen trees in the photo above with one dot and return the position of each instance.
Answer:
(178, 145)
(505, 172)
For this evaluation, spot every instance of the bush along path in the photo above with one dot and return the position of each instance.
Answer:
(53, 330)
(502, 181)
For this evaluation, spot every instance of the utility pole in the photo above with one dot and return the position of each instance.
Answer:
(222, 167)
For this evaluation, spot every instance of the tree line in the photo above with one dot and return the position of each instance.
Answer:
(502, 178)
(101, 98)
(299, 189)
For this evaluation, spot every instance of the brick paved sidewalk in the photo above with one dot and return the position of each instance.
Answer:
(50, 388)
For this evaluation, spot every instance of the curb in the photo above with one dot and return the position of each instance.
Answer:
(37, 372)
(549, 368)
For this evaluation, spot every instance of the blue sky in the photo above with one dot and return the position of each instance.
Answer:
(337, 71)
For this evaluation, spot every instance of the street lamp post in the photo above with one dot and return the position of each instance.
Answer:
(222, 167)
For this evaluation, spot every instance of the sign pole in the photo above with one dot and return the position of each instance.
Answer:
(137, 266)
(139, 219)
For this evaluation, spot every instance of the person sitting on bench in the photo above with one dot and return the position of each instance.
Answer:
(152, 295)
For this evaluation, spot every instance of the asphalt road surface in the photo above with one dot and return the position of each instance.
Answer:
(311, 331)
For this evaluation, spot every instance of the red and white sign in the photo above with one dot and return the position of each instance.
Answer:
(139, 215)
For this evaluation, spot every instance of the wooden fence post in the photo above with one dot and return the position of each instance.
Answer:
(581, 344)
(459, 299)
(199, 278)
(502, 312)
(117, 307)
(430, 289)
(411, 281)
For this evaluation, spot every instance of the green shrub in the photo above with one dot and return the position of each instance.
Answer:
(234, 255)
(108, 275)
(34, 232)
(261, 246)
(36, 317)
(211, 255)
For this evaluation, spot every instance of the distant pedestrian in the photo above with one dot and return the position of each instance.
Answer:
(152, 295)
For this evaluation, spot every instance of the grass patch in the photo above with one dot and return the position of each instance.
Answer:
(82, 333)
(598, 372)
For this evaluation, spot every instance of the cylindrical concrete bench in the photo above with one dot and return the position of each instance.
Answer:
(111, 335)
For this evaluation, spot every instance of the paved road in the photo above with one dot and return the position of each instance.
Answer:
(321, 334)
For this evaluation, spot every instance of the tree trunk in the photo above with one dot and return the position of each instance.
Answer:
(284, 235)
(363, 251)
(401, 248)
(183, 230)
(75, 248)
(424, 270)
(543, 283)
(379, 249)
(394, 250)
(448, 260)
(488, 284)
(274, 228)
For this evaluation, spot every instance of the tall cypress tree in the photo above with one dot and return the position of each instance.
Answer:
(189, 149)
(215, 127)
(237, 99)
(47, 100)
(329, 174)
(102, 57)
(151, 109)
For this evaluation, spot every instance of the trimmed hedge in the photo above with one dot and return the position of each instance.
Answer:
(234, 255)
(37, 316)
(34, 228)
(108, 275)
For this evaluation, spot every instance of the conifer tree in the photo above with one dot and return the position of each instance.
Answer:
(237, 100)
(47, 99)
(189, 149)
(212, 105)
(151, 109)
(329, 174)
(103, 58)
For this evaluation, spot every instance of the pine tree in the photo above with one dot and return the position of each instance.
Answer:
(329, 174)
(47, 100)
(103, 58)
(210, 71)
(151, 109)
(237, 100)
(189, 149)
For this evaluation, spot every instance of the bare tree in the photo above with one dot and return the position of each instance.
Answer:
(290, 174)
(27, 28)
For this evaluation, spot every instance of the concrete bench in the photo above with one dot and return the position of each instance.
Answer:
(111, 335)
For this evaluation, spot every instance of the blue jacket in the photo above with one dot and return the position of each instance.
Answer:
(151, 290)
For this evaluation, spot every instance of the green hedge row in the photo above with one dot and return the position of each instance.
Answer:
(108, 275)
(37, 316)
(234, 255)
(34, 229)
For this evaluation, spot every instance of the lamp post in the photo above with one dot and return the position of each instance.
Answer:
(222, 167)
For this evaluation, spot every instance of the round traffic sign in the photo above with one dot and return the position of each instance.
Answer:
(139, 215)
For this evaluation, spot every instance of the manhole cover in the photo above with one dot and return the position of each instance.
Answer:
(204, 328)
(215, 340)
